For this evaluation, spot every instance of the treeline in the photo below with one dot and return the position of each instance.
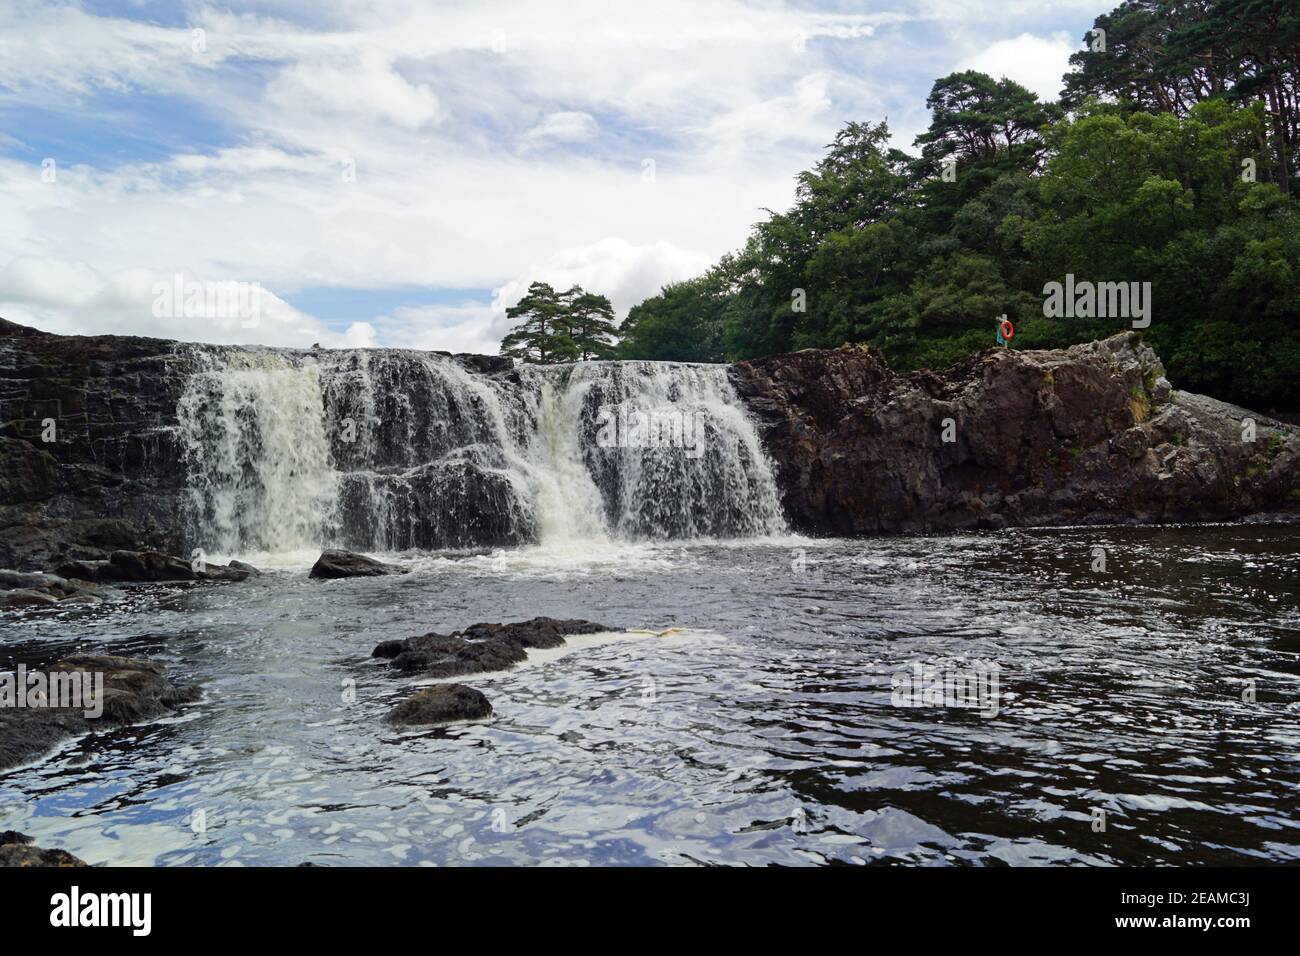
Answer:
(1169, 159)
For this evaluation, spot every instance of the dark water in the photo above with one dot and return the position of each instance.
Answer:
(763, 731)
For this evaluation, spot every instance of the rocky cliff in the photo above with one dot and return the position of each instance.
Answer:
(92, 455)
(1089, 434)
(89, 461)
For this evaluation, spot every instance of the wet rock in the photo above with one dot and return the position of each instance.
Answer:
(124, 567)
(347, 564)
(439, 656)
(539, 632)
(441, 704)
(247, 569)
(480, 648)
(19, 589)
(16, 849)
(25, 597)
(113, 476)
(133, 691)
(1088, 434)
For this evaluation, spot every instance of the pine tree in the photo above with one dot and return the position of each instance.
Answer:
(542, 336)
(590, 322)
(560, 327)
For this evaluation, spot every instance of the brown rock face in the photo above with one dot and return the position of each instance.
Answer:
(1089, 434)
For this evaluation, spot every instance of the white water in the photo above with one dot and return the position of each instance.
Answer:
(258, 458)
(389, 450)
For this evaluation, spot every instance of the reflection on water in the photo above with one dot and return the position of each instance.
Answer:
(761, 732)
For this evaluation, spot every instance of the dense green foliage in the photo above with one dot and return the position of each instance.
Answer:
(560, 326)
(1169, 160)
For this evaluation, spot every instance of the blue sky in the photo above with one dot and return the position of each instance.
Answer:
(397, 172)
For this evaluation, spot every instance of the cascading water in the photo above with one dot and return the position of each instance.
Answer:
(257, 456)
(389, 450)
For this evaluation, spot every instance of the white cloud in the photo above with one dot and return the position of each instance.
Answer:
(70, 297)
(564, 127)
(1036, 63)
(368, 86)
(442, 112)
(613, 267)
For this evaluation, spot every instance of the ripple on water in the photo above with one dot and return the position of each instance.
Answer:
(762, 731)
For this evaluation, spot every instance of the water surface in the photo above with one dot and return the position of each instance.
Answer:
(760, 730)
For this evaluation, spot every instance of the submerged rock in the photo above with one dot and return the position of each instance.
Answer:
(346, 564)
(441, 704)
(1088, 434)
(133, 690)
(16, 849)
(481, 647)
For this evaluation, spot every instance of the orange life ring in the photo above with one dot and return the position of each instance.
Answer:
(1007, 329)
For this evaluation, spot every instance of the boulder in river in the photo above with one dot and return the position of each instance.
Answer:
(335, 563)
(156, 566)
(480, 648)
(133, 690)
(16, 849)
(440, 704)
(20, 589)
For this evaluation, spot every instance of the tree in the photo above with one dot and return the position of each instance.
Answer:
(589, 320)
(1149, 178)
(542, 336)
(1166, 56)
(560, 326)
(683, 323)
(975, 118)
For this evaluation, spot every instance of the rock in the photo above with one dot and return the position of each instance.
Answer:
(1088, 434)
(441, 704)
(127, 567)
(16, 850)
(25, 597)
(440, 656)
(346, 564)
(113, 475)
(247, 569)
(133, 690)
(34, 589)
(480, 648)
(539, 632)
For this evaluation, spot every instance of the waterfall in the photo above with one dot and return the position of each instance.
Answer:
(390, 450)
(257, 457)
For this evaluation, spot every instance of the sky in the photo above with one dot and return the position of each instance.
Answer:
(395, 173)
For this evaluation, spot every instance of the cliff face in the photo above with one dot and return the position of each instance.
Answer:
(1089, 434)
(112, 477)
(1083, 435)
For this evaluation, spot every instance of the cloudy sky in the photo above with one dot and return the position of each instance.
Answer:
(396, 172)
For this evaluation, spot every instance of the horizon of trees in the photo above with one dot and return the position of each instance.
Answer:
(1170, 158)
